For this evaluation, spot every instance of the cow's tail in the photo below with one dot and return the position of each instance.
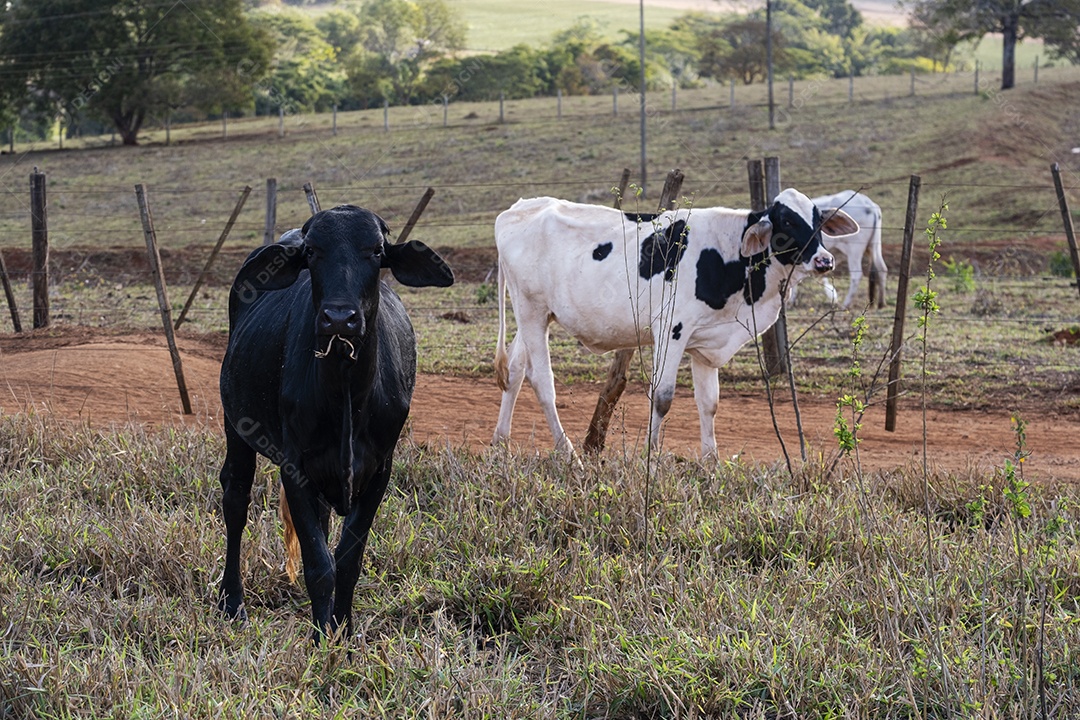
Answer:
(502, 360)
(292, 542)
(879, 270)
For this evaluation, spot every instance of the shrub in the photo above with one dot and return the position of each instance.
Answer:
(1061, 264)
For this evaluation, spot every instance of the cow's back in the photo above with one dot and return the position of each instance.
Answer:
(578, 264)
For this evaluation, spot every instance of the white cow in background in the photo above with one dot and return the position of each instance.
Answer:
(867, 213)
(702, 282)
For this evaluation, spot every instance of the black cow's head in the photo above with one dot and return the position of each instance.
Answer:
(791, 230)
(343, 249)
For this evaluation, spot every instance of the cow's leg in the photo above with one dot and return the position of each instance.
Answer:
(516, 369)
(542, 380)
(237, 474)
(855, 268)
(350, 551)
(707, 395)
(319, 575)
(531, 343)
(667, 354)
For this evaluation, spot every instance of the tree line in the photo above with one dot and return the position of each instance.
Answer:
(96, 64)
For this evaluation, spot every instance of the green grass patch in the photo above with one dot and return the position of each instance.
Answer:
(499, 585)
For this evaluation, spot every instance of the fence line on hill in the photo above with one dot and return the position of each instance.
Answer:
(718, 97)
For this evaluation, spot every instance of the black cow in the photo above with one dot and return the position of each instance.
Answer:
(318, 377)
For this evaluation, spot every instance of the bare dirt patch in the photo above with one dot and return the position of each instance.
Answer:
(105, 378)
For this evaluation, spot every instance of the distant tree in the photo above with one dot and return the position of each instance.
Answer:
(517, 73)
(304, 74)
(840, 16)
(123, 60)
(341, 29)
(1055, 21)
(405, 36)
(737, 50)
(671, 49)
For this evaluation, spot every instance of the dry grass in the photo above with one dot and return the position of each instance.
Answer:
(517, 586)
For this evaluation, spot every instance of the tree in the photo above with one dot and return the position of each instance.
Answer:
(1055, 21)
(737, 50)
(125, 59)
(305, 74)
(404, 36)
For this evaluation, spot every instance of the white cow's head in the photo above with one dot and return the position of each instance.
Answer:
(791, 232)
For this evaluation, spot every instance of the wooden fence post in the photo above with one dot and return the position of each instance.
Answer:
(386, 115)
(614, 100)
(502, 98)
(897, 343)
(596, 436)
(774, 340)
(213, 254)
(270, 230)
(312, 198)
(1066, 218)
(333, 126)
(162, 294)
(225, 125)
(39, 233)
(15, 322)
(416, 213)
(558, 103)
(281, 121)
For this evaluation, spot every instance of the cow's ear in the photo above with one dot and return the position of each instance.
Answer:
(271, 267)
(415, 264)
(837, 223)
(757, 237)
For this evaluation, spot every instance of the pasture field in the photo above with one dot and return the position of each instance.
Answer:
(991, 152)
(512, 586)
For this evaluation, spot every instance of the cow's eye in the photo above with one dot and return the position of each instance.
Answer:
(309, 252)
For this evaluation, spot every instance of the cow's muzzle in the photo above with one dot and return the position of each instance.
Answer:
(340, 320)
(823, 264)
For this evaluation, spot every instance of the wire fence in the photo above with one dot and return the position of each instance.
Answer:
(1002, 300)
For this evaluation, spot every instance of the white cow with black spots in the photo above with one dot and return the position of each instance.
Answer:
(702, 281)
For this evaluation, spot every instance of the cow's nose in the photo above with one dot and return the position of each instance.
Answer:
(336, 320)
(823, 263)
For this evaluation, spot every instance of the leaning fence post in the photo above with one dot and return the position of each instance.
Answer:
(213, 254)
(12, 307)
(163, 299)
(416, 213)
(312, 198)
(1066, 218)
(271, 211)
(39, 233)
(620, 365)
(896, 345)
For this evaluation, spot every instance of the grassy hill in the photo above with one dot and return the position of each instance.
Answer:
(990, 152)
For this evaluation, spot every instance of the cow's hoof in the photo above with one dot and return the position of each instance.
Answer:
(234, 610)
